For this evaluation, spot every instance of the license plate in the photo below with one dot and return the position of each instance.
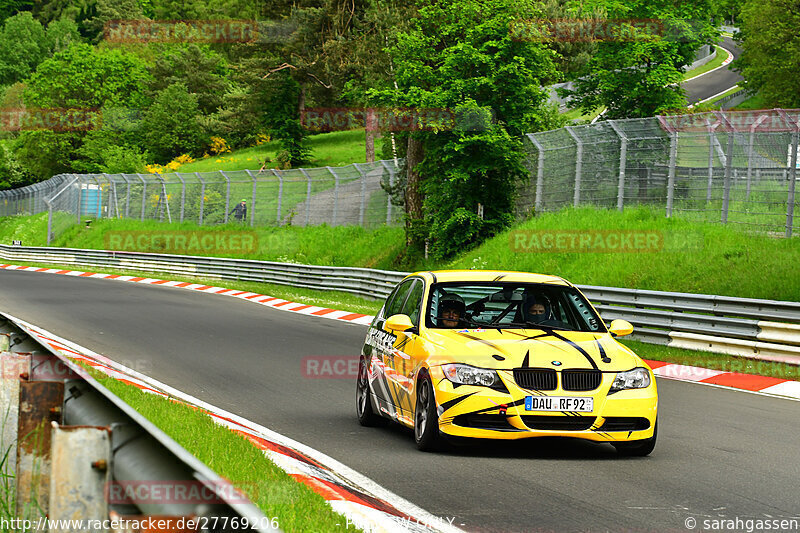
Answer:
(559, 403)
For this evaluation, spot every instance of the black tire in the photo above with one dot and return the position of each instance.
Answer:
(366, 416)
(638, 448)
(426, 418)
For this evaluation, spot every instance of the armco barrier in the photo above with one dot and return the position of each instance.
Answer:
(76, 441)
(658, 316)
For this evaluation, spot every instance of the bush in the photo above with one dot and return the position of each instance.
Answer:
(171, 126)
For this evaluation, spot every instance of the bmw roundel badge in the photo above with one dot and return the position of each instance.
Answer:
(556, 363)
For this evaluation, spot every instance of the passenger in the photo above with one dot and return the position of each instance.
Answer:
(451, 311)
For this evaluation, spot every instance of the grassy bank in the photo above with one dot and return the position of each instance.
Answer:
(693, 256)
(333, 149)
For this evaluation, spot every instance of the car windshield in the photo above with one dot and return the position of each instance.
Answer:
(510, 305)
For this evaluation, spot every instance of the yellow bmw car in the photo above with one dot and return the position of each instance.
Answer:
(503, 355)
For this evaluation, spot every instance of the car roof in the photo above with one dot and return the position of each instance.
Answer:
(438, 276)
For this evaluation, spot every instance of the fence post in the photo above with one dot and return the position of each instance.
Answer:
(726, 192)
(578, 166)
(710, 158)
(391, 187)
(363, 203)
(127, 195)
(144, 194)
(202, 196)
(278, 174)
(227, 195)
(623, 154)
(750, 151)
(183, 192)
(792, 171)
(673, 156)
(253, 201)
(537, 204)
(308, 195)
(335, 194)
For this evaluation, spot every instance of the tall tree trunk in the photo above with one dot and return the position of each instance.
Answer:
(413, 196)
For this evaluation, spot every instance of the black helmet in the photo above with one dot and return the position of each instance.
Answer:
(451, 301)
(533, 299)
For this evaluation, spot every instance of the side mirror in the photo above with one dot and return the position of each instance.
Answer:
(399, 323)
(620, 328)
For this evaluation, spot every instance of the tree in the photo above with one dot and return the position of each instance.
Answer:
(23, 46)
(171, 127)
(459, 55)
(203, 71)
(108, 10)
(639, 74)
(771, 51)
(9, 8)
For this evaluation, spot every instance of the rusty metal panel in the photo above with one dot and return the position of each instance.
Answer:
(11, 366)
(39, 404)
(80, 456)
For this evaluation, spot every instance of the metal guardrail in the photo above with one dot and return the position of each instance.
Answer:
(89, 439)
(655, 314)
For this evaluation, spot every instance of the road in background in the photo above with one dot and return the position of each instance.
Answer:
(714, 82)
(721, 453)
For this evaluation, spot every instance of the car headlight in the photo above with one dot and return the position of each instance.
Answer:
(638, 378)
(470, 375)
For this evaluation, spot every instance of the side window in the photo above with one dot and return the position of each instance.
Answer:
(412, 306)
(394, 307)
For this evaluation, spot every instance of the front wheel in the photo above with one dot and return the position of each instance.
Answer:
(366, 416)
(637, 448)
(426, 419)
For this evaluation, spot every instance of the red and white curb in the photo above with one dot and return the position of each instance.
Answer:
(363, 503)
(784, 388)
(263, 299)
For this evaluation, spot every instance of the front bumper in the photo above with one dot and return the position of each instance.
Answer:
(484, 413)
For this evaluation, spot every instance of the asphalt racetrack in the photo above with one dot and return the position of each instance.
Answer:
(721, 453)
(714, 82)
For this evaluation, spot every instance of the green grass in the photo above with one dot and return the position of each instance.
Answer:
(715, 361)
(754, 102)
(723, 95)
(235, 458)
(333, 149)
(697, 257)
(721, 56)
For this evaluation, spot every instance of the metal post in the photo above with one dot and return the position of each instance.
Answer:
(673, 156)
(202, 197)
(623, 154)
(183, 193)
(166, 199)
(792, 171)
(80, 198)
(127, 195)
(227, 195)
(144, 194)
(278, 174)
(537, 206)
(363, 204)
(726, 192)
(335, 194)
(114, 192)
(578, 165)
(253, 201)
(710, 157)
(308, 195)
(389, 195)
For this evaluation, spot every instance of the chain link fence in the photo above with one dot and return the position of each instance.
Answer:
(722, 166)
(351, 195)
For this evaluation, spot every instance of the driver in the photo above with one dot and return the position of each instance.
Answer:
(537, 309)
(451, 311)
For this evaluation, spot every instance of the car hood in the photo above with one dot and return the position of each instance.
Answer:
(514, 348)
